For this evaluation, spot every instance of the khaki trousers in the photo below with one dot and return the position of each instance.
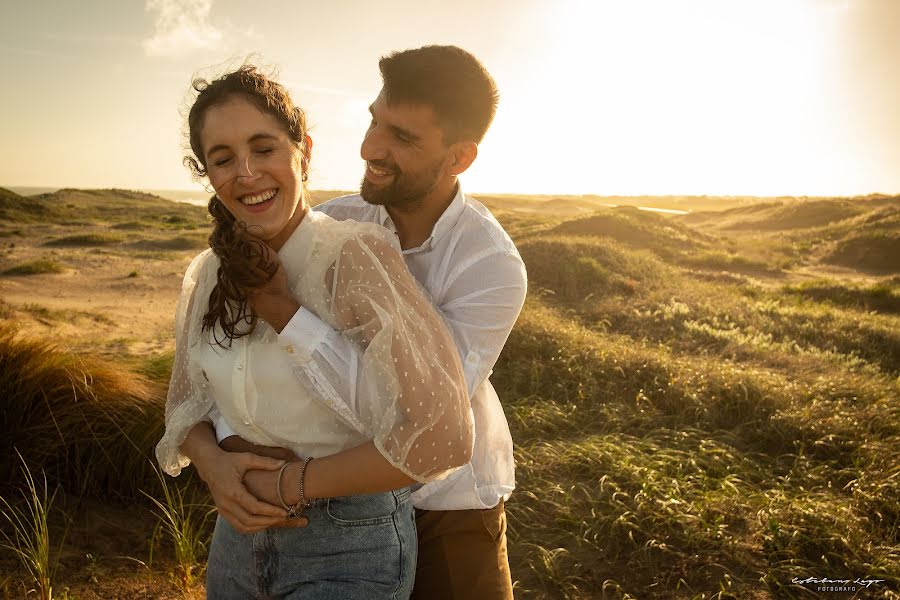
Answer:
(462, 555)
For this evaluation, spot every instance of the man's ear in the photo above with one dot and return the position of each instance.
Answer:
(462, 154)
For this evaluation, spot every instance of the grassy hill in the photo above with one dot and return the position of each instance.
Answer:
(703, 406)
(16, 208)
(859, 234)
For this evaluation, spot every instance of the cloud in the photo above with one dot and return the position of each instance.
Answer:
(181, 26)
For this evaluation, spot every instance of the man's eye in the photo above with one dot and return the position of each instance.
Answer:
(265, 150)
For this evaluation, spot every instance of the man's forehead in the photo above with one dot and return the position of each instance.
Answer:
(417, 111)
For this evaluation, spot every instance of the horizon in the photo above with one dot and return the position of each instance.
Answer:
(34, 190)
(792, 98)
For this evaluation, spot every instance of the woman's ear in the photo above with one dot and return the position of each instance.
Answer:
(307, 148)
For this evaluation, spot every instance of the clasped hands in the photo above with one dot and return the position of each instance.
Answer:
(250, 501)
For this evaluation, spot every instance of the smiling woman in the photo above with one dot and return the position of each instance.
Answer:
(272, 267)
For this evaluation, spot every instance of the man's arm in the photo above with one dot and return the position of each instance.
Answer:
(481, 306)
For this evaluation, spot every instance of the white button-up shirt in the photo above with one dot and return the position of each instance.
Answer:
(475, 277)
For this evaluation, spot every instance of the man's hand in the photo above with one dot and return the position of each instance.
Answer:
(235, 443)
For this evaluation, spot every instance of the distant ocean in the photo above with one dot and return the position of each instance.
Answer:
(198, 198)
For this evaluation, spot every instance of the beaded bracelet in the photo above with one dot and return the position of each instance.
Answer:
(303, 503)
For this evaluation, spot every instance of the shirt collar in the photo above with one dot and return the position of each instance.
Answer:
(444, 223)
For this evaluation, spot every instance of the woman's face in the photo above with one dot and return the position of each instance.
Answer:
(255, 168)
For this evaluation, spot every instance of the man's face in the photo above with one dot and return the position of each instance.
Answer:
(404, 152)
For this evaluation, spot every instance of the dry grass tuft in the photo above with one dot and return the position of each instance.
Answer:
(89, 425)
(35, 267)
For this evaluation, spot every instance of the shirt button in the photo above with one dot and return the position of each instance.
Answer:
(240, 367)
(246, 422)
(290, 349)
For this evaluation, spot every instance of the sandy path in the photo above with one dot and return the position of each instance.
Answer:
(94, 306)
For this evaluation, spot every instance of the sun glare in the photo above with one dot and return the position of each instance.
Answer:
(653, 97)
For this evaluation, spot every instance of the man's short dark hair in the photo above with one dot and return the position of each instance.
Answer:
(449, 80)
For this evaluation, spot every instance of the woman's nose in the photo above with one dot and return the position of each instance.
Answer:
(244, 167)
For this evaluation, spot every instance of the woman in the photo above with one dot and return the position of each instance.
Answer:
(271, 257)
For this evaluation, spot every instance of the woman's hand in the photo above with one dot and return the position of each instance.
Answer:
(240, 507)
(273, 302)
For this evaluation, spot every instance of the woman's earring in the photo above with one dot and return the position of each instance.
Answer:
(304, 177)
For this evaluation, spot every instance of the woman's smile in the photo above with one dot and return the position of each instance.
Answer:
(259, 201)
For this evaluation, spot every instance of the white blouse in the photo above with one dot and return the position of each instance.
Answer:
(353, 277)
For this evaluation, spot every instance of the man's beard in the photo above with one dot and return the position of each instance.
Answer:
(404, 190)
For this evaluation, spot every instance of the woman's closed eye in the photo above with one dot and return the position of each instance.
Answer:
(221, 162)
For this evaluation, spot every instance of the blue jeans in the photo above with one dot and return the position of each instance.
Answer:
(356, 547)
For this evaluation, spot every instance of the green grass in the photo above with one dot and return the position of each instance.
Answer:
(184, 521)
(644, 470)
(87, 239)
(175, 243)
(727, 261)
(689, 419)
(30, 540)
(157, 367)
(51, 316)
(35, 267)
(880, 297)
(877, 251)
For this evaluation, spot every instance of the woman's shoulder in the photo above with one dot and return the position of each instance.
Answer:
(200, 265)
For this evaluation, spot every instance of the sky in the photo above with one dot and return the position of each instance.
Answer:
(629, 97)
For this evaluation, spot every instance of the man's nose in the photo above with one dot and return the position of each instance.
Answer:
(373, 146)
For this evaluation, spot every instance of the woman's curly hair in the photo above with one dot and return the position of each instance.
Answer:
(242, 257)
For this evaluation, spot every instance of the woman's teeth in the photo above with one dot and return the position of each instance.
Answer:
(262, 197)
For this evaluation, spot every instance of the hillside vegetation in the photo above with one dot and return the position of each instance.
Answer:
(703, 406)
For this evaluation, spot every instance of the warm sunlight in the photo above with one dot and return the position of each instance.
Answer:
(641, 340)
(642, 97)
(652, 97)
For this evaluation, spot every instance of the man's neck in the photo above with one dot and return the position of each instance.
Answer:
(415, 221)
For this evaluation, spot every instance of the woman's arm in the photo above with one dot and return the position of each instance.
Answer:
(359, 470)
(417, 404)
(416, 401)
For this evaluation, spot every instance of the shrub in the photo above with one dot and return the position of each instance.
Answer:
(88, 424)
(35, 267)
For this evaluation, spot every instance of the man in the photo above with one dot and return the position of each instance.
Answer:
(433, 110)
